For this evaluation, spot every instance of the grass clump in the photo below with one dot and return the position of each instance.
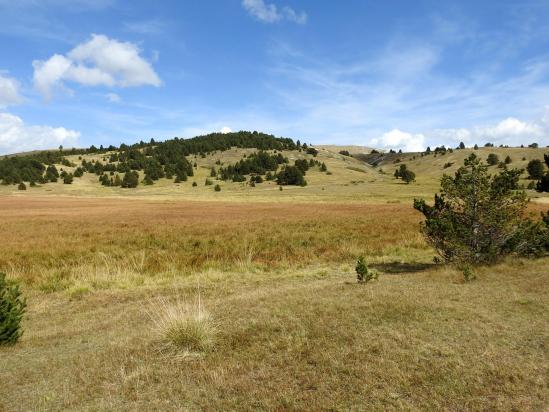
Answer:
(183, 327)
(12, 309)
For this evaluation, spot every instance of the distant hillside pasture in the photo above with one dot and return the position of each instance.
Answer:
(377, 184)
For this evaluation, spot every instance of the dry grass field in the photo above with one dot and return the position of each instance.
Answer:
(294, 330)
(288, 328)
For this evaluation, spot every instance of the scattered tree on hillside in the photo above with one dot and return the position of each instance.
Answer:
(117, 181)
(312, 151)
(535, 169)
(303, 165)
(52, 174)
(68, 179)
(257, 163)
(130, 180)
(147, 180)
(543, 183)
(78, 172)
(405, 174)
(291, 175)
(492, 159)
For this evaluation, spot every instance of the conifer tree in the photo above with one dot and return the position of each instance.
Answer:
(12, 309)
(477, 216)
(68, 179)
(130, 180)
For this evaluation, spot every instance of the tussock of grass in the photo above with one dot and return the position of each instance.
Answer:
(182, 326)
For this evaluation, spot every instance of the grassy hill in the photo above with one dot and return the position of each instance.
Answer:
(349, 178)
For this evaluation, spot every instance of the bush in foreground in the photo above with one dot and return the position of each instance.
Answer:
(479, 218)
(363, 273)
(183, 327)
(12, 309)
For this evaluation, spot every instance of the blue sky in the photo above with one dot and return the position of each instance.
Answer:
(391, 74)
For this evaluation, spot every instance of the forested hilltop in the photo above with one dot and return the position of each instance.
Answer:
(120, 166)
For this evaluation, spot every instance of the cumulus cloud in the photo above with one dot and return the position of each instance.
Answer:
(510, 131)
(16, 136)
(510, 128)
(9, 91)
(226, 130)
(397, 139)
(99, 61)
(269, 13)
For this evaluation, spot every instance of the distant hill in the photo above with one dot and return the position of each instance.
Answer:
(193, 168)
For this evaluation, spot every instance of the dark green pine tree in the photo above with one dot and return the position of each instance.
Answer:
(477, 217)
(130, 180)
(12, 309)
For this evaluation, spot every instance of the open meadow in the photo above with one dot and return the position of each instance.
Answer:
(274, 205)
(294, 331)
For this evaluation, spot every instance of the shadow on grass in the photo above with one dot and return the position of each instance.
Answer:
(398, 267)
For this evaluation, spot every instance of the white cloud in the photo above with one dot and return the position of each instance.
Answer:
(396, 139)
(226, 130)
(292, 15)
(99, 61)
(48, 74)
(113, 97)
(16, 136)
(510, 128)
(9, 91)
(269, 13)
(510, 131)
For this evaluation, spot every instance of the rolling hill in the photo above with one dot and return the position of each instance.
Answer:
(361, 176)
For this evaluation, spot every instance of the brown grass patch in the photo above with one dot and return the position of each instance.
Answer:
(100, 243)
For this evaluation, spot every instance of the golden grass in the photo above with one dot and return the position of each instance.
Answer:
(309, 339)
(66, 244)
(182, 326)
(293, 329)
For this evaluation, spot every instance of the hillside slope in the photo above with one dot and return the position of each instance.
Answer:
(347, 178)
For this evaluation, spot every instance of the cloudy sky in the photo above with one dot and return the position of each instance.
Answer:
(393, 74)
